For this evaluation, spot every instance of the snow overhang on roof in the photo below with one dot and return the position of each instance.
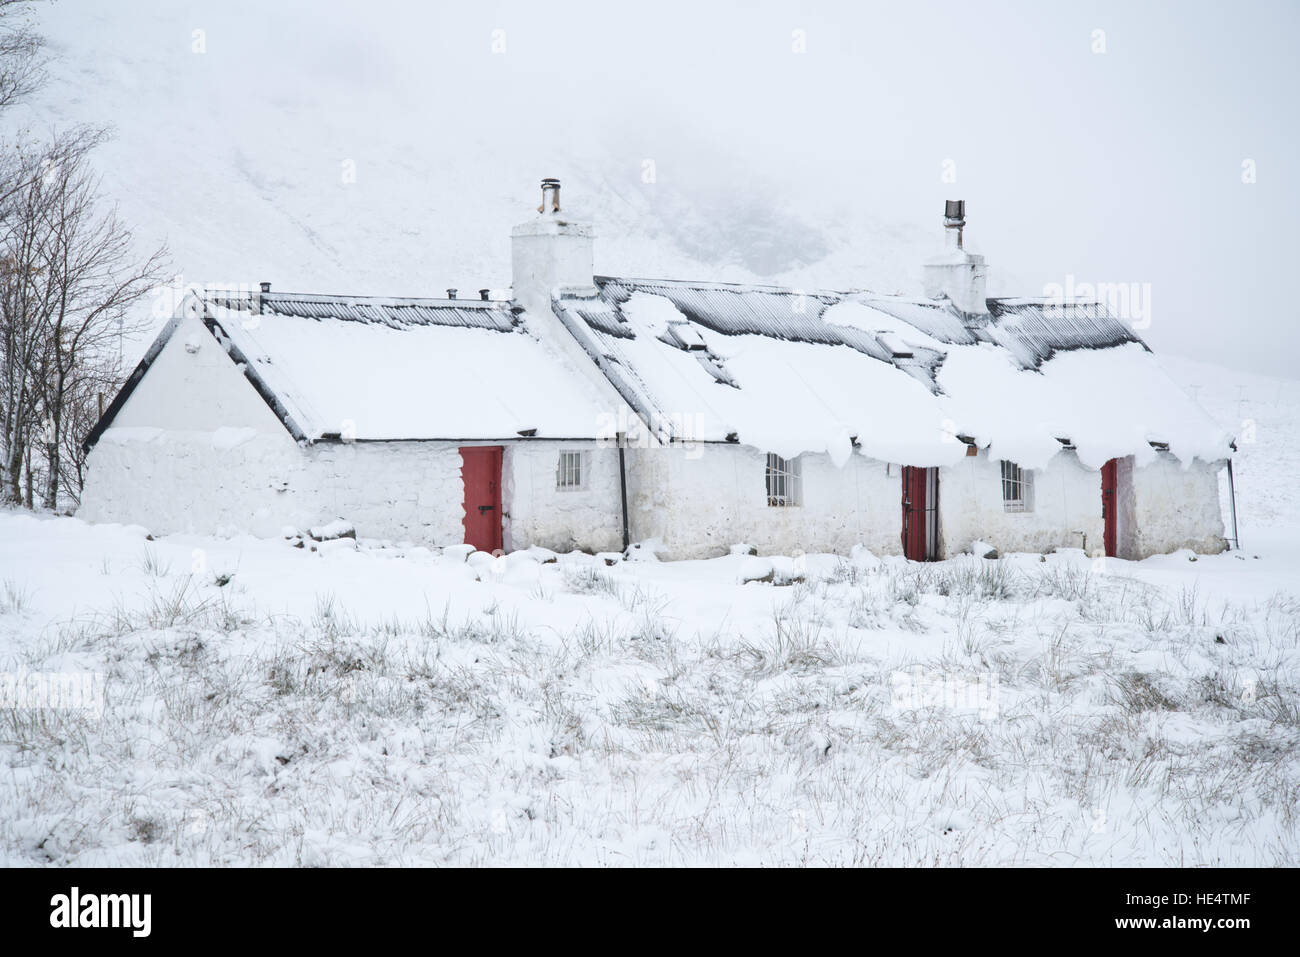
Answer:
(793, 372)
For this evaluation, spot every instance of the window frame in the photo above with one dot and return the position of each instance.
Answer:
(572, 470)
(783, 481)
(1017, 487)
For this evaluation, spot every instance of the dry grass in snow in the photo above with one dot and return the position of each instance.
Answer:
(969, 712)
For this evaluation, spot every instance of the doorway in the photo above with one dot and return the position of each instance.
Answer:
(921, 513)
(1110, 506)
(481, 470)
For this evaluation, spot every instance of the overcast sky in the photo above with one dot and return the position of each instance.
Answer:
(1122, 166)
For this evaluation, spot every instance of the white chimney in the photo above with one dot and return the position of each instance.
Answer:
(956, 274)
(550, 252)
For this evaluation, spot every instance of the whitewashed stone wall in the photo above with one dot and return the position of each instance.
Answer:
(539, 513)
(182, 481)
(1160, 507)
(1125, 509)
(195, 449)
(193, 386)
(188, 481)
(170, 481)
(1171, 508)
(701, 501)
(414, 491)
(401, 491)
(1065, 506)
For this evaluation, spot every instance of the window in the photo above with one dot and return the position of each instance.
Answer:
(571, 471)
(782, 481)
(1017, 488)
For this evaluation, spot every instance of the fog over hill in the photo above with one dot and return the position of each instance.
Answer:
(388, 147)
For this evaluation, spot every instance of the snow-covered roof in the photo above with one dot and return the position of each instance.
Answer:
(408, 368)
(793, 372)
(786, 371)
(374, 368)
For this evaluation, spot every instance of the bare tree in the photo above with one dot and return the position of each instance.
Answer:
(21, 72)
(22, 68)
(25, 297)
(69, 277)
(83, 408)
(94, 277)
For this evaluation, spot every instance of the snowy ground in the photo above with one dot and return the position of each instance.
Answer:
(363, 704)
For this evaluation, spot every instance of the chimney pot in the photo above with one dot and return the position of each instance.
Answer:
(266, 286)
(550, 195)
(451, 293)
(483, 294)
(954, 217)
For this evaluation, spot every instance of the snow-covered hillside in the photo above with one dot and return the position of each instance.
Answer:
(1263, 412)
(355, 703)
(355, 172)
(241, 125)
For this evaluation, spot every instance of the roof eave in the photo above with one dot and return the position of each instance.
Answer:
(264, 390)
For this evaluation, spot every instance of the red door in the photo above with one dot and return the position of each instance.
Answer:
(482, 474)
(920, 513)
(1109, 510)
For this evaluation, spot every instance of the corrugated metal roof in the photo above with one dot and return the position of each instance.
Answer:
(602, 316)
(1032, 330)
(732, 310)
(1036, 330)
(395, 313)
(959, 359)
(936, 320)
(737, 310)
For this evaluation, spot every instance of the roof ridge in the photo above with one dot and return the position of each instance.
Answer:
(730, 286)
(369, 299)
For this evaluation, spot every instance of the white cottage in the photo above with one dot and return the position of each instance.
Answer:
(588, 412)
